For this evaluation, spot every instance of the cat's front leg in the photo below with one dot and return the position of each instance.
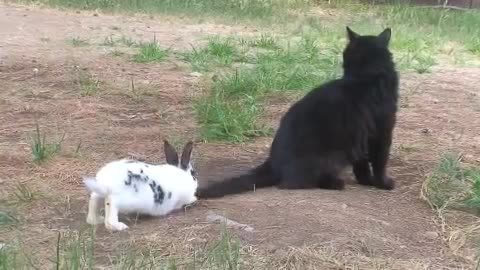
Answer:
(362, 172)
(379, 151)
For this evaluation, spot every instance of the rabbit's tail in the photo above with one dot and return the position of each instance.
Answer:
(259, 177)
(94, 186)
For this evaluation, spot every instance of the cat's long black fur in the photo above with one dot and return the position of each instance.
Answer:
(348, 121)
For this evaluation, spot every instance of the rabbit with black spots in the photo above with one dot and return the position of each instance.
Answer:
(129, 186)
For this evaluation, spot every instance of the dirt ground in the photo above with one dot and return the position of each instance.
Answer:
(359, 228)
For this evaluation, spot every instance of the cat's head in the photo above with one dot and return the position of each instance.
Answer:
(367, 54)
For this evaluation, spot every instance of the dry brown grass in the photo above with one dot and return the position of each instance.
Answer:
(326, 256)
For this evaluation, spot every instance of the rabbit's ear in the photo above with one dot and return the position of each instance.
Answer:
(186, 155)
(170, 153)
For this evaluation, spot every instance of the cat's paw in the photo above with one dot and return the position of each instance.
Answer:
(338, 184)
(118, 226)
(365, 181)
(387, 183)
(92, 220)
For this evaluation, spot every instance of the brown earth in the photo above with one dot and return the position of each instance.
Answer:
(359, 228)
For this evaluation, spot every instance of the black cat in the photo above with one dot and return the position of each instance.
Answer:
(345, 121)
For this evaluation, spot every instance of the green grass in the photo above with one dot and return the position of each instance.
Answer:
(76, 250)
(78, 42)
(109, 41)
(265, 41)
(262, 10)
(116, 53)
(42, 149)
(150, 52)
(85, 82)
(129, 42)
(473, 199)
(421, 35)
(7, 218)
(253, 69)
(445, 24)
(224, 254)
(453, 186)
(23, 194)
(219, 52)
(11, 260)
(223, 118)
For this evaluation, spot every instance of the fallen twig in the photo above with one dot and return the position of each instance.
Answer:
(215, 218)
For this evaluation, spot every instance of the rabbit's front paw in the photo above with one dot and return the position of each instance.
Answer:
(95, 220)
(118, 226)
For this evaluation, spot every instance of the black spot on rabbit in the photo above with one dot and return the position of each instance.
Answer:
(158, 193)
(135, 177)
(152, 186)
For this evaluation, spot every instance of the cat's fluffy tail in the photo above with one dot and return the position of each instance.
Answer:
(259, 177)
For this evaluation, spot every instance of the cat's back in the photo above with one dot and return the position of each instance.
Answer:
(323, 98)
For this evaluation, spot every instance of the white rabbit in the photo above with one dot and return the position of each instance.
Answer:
(130, 186)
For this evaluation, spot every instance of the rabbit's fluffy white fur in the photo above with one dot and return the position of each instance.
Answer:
(129, 186)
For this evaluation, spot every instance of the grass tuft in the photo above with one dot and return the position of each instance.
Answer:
(11, 259)
(116, 53)
(451, 185)
(226, 119)
(232, 10)
(129, 42)
(225, 253)
(150, 52)
(233, 106)
(218, 52)
(87, 84)
(78, 42)
(7, 218)
(265, 42)
(41, 149)
(473, 199)
(109, 41)
(23, 194)
(76, 249)
(222, 48)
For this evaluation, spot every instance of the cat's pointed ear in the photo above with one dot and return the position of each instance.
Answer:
(352, 35)
(384, 37)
